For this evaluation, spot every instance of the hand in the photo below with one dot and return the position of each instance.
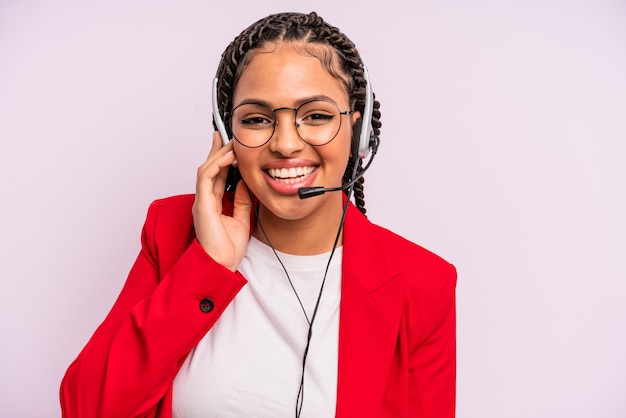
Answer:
(224, 238)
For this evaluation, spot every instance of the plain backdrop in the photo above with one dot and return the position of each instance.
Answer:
(502, 150)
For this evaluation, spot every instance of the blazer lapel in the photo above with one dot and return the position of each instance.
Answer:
(371, 306)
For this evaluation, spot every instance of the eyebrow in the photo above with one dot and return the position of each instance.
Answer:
(323, 97)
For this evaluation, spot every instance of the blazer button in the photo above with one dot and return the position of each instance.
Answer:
(206, 305)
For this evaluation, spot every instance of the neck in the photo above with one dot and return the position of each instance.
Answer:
(312, 235)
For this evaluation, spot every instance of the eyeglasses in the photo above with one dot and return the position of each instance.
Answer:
(317, 122)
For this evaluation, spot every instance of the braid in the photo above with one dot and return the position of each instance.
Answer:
(310, 29)
(359, 196)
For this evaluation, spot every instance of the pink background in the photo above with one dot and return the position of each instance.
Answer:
(502, 150)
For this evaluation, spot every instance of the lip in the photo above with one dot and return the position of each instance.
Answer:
(294, 173)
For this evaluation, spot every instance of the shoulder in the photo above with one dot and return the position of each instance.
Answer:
(168, 230)
(429, 282)
(421, 282)
(170, 215)
(380, 257)
(423, 270)
(389, 248)
(407, 254)
(174, 212)
(172, 206)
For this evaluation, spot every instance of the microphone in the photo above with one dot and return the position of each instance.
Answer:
(306, 192)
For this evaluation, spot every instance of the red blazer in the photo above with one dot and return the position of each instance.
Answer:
(396, 327)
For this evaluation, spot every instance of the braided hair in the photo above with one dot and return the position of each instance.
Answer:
(310, 29)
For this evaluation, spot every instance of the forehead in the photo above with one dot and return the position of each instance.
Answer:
(283, 74)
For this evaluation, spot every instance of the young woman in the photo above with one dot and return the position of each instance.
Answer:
(259, 303)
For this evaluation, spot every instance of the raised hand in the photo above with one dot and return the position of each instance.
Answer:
(224, 238)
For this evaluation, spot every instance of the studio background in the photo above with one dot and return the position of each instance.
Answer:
(503, 145)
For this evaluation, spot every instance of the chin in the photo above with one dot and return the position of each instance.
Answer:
(290, 209)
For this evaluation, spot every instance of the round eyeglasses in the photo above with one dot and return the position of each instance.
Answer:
(317, 122)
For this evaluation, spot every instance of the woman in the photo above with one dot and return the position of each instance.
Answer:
(259, 302)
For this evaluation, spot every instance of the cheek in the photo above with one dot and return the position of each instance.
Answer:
(340, 153)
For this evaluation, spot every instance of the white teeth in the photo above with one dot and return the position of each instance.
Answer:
(290, 175)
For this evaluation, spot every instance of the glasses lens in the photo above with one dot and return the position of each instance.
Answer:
(318, 122)
(252, 124)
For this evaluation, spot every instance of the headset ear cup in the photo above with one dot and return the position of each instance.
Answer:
(356, 138)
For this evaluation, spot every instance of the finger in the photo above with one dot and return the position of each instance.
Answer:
(216, 155)
(212, 174)
(220, 180)
(217, 141)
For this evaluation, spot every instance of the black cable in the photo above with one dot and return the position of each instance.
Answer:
(349, 191)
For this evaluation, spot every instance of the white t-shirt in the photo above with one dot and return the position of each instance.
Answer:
(249, 364)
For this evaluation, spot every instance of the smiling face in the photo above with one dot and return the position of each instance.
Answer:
(279, 76)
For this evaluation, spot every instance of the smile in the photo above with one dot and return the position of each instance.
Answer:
(290, 175)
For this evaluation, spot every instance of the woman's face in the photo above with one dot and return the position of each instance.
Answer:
(286, 77)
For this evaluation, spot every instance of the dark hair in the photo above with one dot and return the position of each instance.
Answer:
(311, 29)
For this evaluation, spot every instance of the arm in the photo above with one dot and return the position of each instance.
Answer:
(133, 357)
(432, 363)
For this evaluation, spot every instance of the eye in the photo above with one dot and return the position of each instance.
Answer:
(317, 113)
(253, 116)
(319, 116)
(316, 117)
(256, 122)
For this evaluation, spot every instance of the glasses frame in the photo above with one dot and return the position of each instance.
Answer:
(295, 123)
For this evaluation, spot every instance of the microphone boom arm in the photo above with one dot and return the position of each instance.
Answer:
(306, 192)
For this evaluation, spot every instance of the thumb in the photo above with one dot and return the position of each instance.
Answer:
(243, 204)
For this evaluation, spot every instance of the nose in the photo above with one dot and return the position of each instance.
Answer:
(286, 139)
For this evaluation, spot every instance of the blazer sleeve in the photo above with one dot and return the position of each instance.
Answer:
(132, 358)
(432, 362)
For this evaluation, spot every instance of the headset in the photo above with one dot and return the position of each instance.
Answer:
(364, 140)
